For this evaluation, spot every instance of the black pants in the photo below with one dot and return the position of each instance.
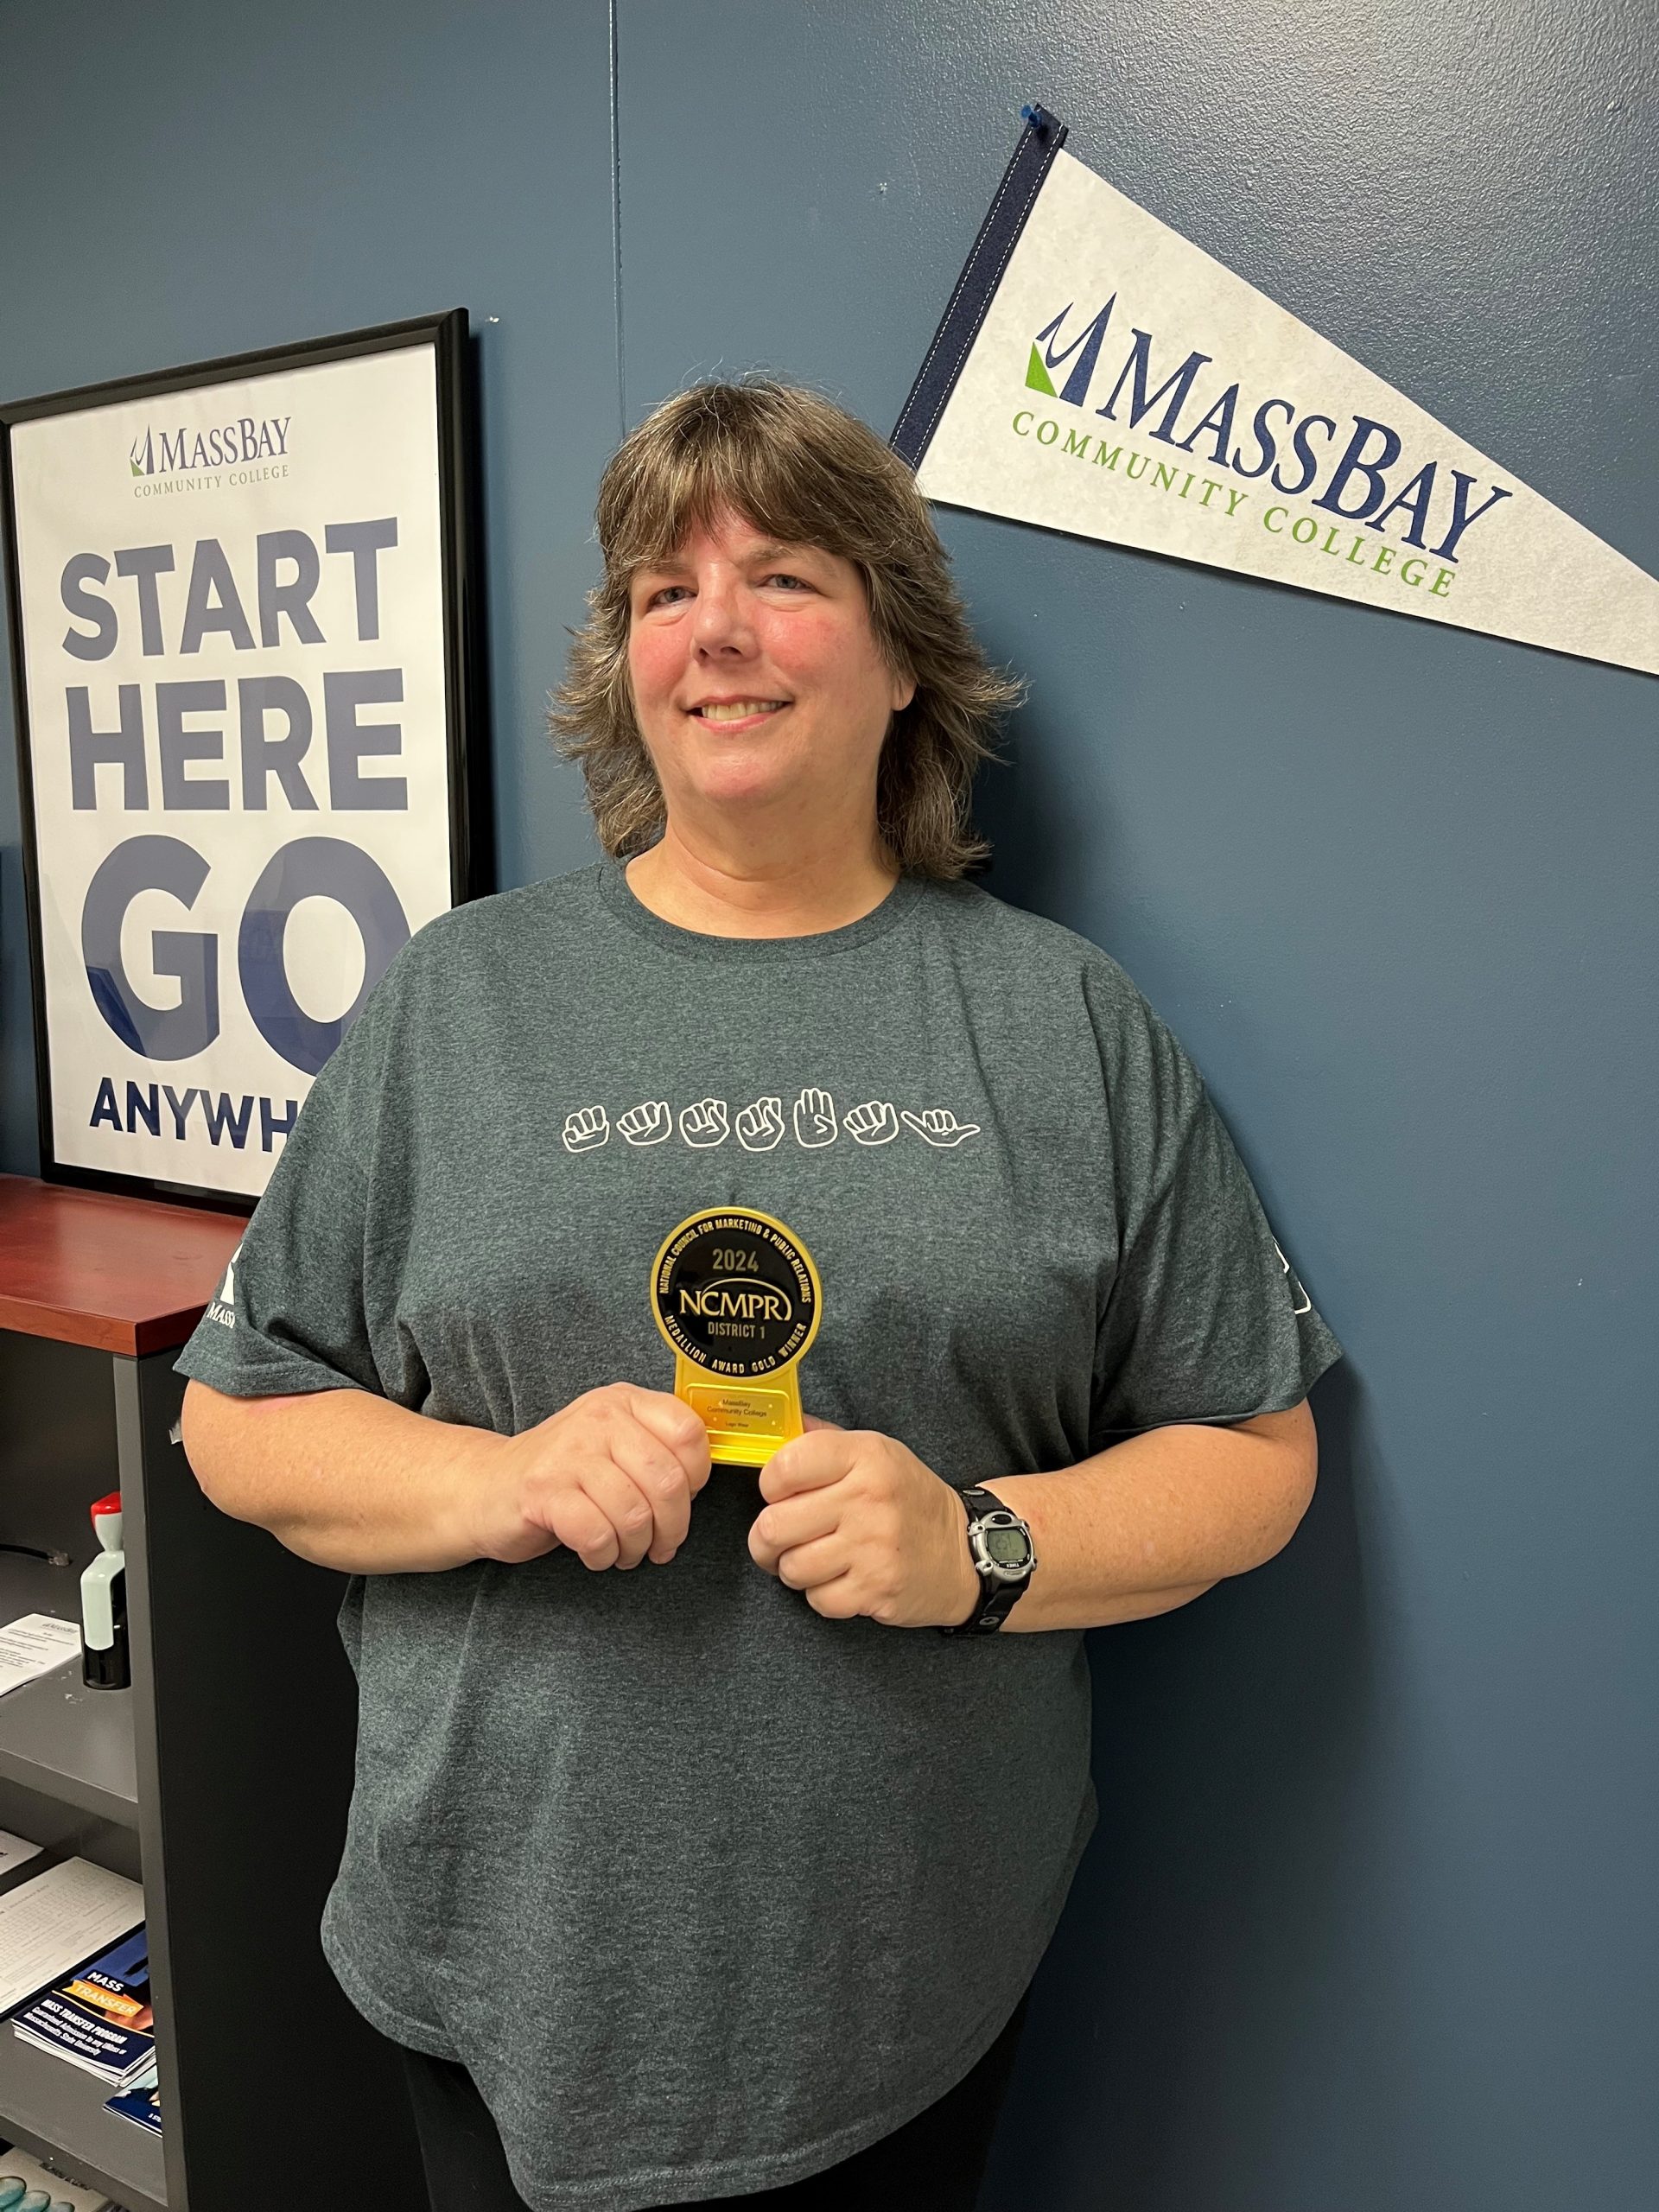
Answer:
(932, 2164)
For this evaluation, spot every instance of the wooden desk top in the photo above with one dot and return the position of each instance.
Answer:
(90, 1267)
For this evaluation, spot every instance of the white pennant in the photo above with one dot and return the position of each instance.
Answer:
(1124, 386)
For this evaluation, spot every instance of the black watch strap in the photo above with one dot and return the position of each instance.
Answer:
(996, 1600)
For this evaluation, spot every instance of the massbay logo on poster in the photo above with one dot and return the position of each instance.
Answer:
(178, 450)
(1118, 383)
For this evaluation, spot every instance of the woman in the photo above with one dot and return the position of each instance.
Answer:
(686, 1860)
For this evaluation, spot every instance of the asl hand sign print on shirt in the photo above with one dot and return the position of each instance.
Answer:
(760, 1126)
(815, 1119)
(875, 1123)
(705, 1123)
(585, 1129)
(648, 1123)
(939, 1126)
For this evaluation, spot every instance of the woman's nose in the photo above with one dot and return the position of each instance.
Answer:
(722, 623)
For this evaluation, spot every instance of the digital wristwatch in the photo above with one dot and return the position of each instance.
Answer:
(1004, 1557)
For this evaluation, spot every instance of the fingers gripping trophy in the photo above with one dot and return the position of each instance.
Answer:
(738, 1300)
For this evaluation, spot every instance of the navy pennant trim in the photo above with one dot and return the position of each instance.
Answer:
(1041, 139)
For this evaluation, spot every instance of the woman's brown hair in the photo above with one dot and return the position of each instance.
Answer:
(806, 473)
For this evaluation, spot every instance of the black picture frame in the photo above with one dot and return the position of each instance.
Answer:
(448, 332)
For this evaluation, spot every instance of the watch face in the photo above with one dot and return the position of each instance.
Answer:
(1007, 1547)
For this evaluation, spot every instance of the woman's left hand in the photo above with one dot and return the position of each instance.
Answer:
(856, 1521)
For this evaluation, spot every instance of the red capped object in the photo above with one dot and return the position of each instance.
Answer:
(110, 1504)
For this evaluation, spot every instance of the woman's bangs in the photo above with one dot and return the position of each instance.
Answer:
(725, 476)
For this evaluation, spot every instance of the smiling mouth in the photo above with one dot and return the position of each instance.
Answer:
(736, 710)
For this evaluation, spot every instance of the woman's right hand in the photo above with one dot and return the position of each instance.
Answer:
(611, 1477)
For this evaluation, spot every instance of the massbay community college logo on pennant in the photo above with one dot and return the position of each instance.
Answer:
(1096, 372)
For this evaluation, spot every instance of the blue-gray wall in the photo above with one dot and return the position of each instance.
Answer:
(1370, 1924)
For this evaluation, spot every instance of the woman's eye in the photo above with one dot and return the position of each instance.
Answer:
(795, 583)
(665, 597)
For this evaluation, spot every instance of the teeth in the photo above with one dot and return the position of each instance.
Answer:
(733, 710)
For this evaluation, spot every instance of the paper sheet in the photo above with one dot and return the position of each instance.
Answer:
(33, 1645)
(15, 1850)
(62, 1917)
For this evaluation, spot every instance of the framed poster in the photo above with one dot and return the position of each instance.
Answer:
(239, 597)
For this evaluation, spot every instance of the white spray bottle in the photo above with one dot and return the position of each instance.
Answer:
(105, 1664)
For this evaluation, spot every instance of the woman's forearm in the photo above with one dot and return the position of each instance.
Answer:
(350, 1481)
(1155, 1522)
(343, 1478)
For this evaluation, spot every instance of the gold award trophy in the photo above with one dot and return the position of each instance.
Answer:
(737, 1299)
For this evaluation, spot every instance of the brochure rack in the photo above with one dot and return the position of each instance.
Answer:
(220, 1779)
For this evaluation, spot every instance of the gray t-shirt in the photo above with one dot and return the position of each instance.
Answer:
(706, 1892)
